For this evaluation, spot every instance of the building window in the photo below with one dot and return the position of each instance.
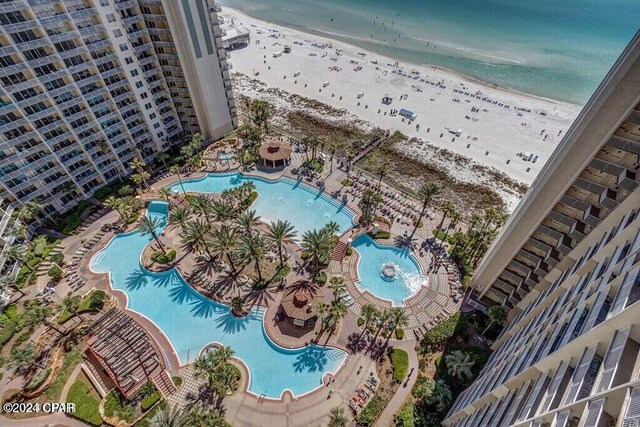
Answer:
(139, 85)
(144, 95)
(156, 126)
(117, 32)
(128, 60)
(134, 73)
(111, 17)
(123, 47)
(152, 116)
(147, 105)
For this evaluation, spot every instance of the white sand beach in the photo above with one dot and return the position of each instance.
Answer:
(494, 124)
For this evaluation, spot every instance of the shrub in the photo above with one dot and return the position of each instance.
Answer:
(360, 321)
(34, 262)
(38, 379)
(11, 311)
(102, 193)
(23, 276)
(321, 277)
(346, 182)
(400, 361)
(96, 301)
(445, 330)
(7, 332)
(55, 273)
(349, 251)
(370, 412)
(404, 417)
(423, 387)
(399, 333)
(57, 258)
(116, 405)
(86, 405)
(163, 258)
(281, 273)
(177, 381)
(133, 218)
(149, 401)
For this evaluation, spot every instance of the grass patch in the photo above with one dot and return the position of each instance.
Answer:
(86, 405)
(381, 235)
(346, 182)
(400, 361)
(164, 258)
(115, 405)
(149, 401)
(404, 417)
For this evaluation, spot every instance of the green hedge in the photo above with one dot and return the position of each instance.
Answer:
(370, 412)
(38, 379)
(11, 311)
(163, 258)
(360, 321)
(86, 405)
(400, 361)
(7, 332)
(116, 405)
(399, 333)
(321, 277)
(381, 235)
(149, 401)
(445, 330)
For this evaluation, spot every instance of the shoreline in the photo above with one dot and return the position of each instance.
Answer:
(492, 126)
(461, 75)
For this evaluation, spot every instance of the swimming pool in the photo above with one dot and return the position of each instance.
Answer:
(407, 280)
(307, 208)
(227, 156)
(190, 321)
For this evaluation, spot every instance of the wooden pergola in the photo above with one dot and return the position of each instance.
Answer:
(127, 354)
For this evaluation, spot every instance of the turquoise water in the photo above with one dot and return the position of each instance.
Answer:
(557, 49)
(373, 256)
(305, 207)
(191, 321)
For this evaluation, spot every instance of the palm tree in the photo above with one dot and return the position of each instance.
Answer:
(175, 169)
(370, 314)
(337, 310)
(222, 211)
(124, 210)
(194, 236)
(441, 397)
(446, 207)
(318, 245)
(427, 193)
(201, 205)
(223, 354)
(223, 241)
(148, 225)
(455, 218)
(163, 157)
(36, 314)
(29, 210)
(260, 112)
(226, 378)
(237, 306)
(369, 203)
(337, 418)
(19, 253)
(281, 233)
(198, 416)
(322, 309)
(253, 249)
(304, 141)
(397, 319)
(331, 228)
(247, 222)
(179, 216)
(169, 416)
(336, 284)
(381, 171)
(497, 314)
(382, 319)
(474, 220)
(22, 358)
(166, 194)
(459, 365)
(141, 174)
(332, 152)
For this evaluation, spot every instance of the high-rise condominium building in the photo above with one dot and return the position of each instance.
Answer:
(87, 85)
(567, 265)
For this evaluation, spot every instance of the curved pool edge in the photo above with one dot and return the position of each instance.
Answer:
(259, 310)
(404, 304)
(295, 183)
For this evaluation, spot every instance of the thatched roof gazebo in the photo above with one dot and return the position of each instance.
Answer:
(275, 152)
(298, 307)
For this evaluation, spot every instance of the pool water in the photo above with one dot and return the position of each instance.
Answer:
(305, 207)
(191, 321)
(227, 156)
(373, 257)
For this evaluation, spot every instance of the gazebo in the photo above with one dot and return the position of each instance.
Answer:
(298, 307)
(275, 152)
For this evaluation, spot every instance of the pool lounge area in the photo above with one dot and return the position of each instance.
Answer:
(168, 301)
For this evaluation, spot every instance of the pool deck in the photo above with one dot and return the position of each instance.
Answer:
(428, 306)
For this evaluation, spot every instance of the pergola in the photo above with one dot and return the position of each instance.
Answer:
(275, 152)
(298, 306)
(127, 354)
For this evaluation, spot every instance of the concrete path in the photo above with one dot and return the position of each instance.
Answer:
(398, 399)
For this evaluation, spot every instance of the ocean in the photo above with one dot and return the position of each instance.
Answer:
(559, 49)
